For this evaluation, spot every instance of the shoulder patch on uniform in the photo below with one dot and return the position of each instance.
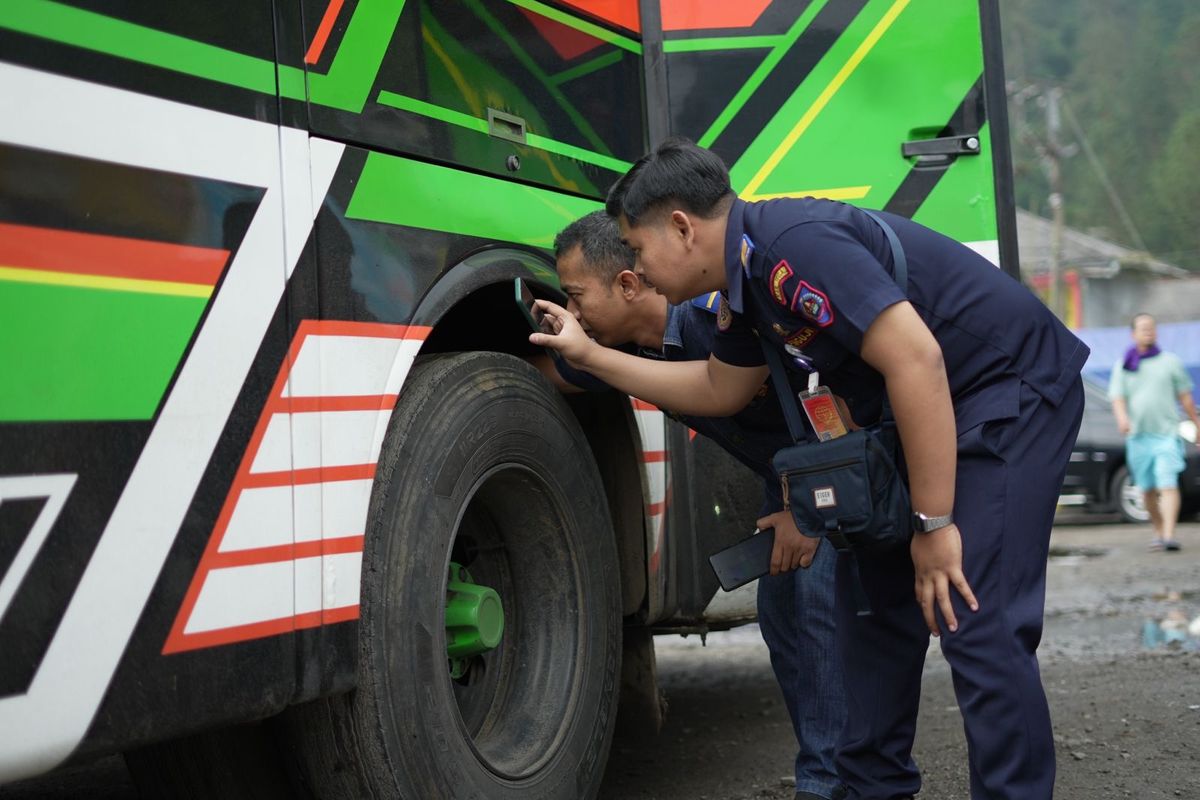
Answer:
(779, 275)
(747, 252)
(801, 337)
(813, 304)
(724, 315)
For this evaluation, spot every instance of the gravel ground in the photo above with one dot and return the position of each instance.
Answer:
(1126, 718)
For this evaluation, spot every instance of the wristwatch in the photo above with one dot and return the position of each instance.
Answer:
(925, 524)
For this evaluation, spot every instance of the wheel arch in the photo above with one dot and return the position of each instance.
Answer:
(471, 307)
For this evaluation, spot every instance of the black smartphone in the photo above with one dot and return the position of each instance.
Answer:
(533, 315)
(744, 561)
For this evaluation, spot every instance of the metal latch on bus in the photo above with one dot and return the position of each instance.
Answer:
(936, 152)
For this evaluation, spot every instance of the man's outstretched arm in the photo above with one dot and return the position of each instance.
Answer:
(709, 388)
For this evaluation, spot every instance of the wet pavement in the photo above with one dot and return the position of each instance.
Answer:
(1126, 717)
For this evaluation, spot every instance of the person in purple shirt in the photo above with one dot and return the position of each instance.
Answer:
(984, 385)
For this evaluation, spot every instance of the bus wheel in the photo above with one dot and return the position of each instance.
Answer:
(489, 635)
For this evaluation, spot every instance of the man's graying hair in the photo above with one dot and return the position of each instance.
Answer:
(599, 238)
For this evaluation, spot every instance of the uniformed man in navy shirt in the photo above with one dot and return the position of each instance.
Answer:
(795, 606)
(984, 384)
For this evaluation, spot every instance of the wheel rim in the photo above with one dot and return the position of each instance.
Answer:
(514, 700)
(1133, 502)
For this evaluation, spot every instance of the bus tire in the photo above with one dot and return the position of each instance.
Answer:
(483, 465)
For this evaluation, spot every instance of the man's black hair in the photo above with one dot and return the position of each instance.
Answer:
(677, 172)
(599, 238)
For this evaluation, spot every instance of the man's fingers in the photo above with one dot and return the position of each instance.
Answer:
(960, 583)
(925, 599)
(943, 601)
(777, 558)
(548, 306)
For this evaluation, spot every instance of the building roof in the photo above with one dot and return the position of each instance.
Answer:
(1092, 256)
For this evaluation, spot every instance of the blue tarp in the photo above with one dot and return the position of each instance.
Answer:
(1109, 345)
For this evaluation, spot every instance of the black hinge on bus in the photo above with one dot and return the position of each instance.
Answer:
(941, 151)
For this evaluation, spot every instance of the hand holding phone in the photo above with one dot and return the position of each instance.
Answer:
(533, 315)
(744, 561)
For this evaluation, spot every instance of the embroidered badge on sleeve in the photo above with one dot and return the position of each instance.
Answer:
(724, 315)
(813, 304)
(779, 276)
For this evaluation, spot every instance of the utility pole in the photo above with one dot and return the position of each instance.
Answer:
(1052, 157)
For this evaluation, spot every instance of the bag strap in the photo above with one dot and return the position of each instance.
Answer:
(791, 412)
(783, 388)
(899, 260)
(899, 275)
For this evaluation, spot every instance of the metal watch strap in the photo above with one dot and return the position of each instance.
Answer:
(930, 524)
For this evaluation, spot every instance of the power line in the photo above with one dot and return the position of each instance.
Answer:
(1102, 174)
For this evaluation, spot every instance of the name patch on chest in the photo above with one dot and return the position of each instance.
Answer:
(801, 337)
(778, 278)
(813, 304)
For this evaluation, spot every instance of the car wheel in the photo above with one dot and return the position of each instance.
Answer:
(1127, 497)
(490, 627)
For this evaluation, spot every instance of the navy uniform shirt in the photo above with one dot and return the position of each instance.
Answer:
(816, 273)
(752, 435)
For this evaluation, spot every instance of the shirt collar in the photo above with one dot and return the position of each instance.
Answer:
(735, 271)
(673, 333)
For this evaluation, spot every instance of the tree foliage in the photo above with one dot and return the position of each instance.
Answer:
(1129, 71)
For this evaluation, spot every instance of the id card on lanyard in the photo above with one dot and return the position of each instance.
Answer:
(822, 411)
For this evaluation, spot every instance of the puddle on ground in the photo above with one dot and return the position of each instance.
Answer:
(1075, 554)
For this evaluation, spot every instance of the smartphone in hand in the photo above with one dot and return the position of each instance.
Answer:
(744, 561)
(525, 300)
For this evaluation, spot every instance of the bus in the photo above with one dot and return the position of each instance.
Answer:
(280, 497)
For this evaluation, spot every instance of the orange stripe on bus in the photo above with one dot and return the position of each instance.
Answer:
(323, 30)
(261, 480)
(55, 250)
(287, 552)
(366, 402)
(379, 330)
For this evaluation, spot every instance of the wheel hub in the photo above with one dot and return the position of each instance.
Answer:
(474, 620)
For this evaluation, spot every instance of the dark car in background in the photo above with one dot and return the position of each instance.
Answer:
(1097, 477)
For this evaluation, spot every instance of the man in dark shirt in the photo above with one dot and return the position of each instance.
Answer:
(984, 385)
(795, 606)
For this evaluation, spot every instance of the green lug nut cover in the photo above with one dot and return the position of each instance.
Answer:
(474, 616)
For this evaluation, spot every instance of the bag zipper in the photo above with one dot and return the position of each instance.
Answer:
(783, 476)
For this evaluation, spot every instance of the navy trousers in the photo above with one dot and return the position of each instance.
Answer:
(1009, 476)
